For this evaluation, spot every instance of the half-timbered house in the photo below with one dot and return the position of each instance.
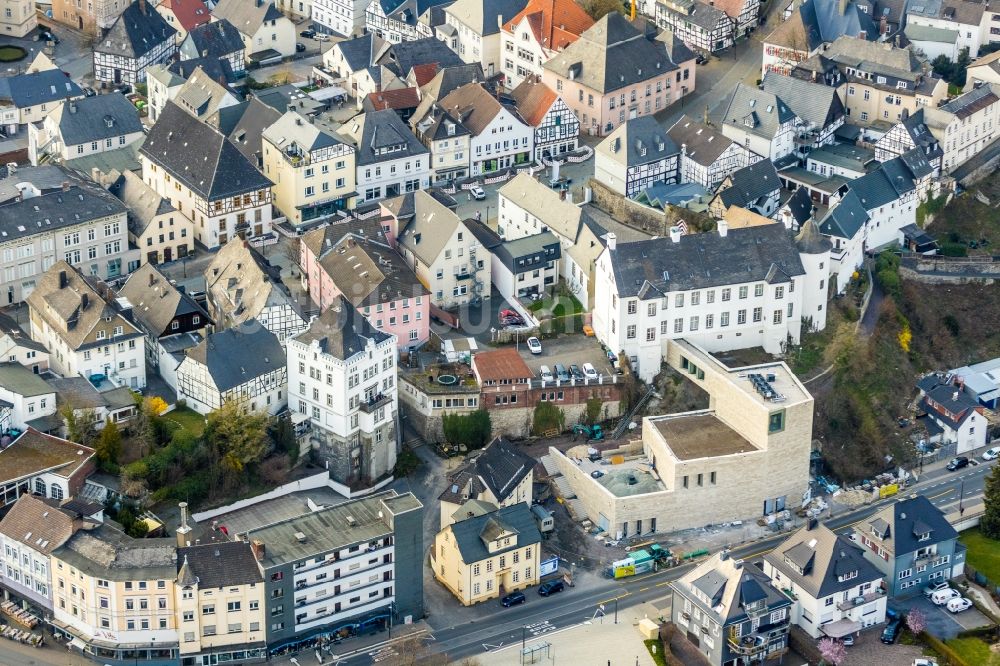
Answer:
(635, 156)
(219, 39)
(398, 20)
(557, 129)
(140, 37)
(219, 370)
(909, 133)
(181, 160)
(707, 155)
(700, 25)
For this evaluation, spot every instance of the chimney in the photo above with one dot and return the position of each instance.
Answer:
(862, 34)
(184, 530)
(84, 301)
(811, 524)
(152, 279)
(142, 7)
(204, 53)
(257, 546)
(675, 234)
(65, 186)
(883, 26)
(612, 240)
(954, 396)
(72, 107)
(62, 279)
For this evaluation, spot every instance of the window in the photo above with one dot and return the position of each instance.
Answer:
(758, 314)
(741, 317)
(776, 421)
(743, 292)
(632, 306)
(726, 294)
(630, 332)
(679, 325)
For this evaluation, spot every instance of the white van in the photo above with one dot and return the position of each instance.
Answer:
(545, 373)
(941, 597)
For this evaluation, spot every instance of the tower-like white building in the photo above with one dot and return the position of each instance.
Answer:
(814, 253)
(342, 375)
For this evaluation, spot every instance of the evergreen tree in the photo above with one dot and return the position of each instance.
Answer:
(989, 524)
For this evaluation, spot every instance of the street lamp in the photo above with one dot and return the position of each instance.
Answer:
(961, 497)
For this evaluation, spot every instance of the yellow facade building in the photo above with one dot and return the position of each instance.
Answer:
(490, 555)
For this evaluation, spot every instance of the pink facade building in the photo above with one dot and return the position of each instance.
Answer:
(615, 72)
(356, 261)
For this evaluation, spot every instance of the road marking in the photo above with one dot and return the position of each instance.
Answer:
(643, 589)
(666, 582)
(490, 646)
(947, 492)
(613, 599)
(753, 555)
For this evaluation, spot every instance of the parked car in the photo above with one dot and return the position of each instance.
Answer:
(991, 453)
(935, 587)
(308, 34)
(321, 37)
(957, 462)
(534, 345)
(589, 371)
(477, 193)
(513, 599)
(848, 640)
(300, 47)
(891, 631)
(88, 91)
(958, 605)
(942, 597)
(574, 370)
(550, 587)
(123, 88)
(545, 373)
(562, 374)
(700, 59)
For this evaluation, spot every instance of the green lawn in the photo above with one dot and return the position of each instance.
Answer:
(984, 553)
(188, 419)
(561, 305)
(971, 650)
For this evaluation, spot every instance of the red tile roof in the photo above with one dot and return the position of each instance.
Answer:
(424, 73)
(555, 23)
(731, 7)
(403, 98)
(533, 100)
(500, 364)
(189, 13)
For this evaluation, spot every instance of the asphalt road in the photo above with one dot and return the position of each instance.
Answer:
(540, 616)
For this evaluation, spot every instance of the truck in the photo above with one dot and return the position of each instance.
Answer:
(640, 561)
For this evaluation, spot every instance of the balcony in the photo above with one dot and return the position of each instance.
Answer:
(749, 645)
(860, 600)
(373, 403)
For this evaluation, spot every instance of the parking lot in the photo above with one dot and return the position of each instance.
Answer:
(568, 350)
(940, 622)
(868, 650)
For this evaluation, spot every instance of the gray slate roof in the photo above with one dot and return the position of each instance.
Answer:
(193, 153)
(96, 119)
(485, 17)
(137, 31)
(901, 518)
(814, 103)
(703, 143)
(24, 90)
(371, 131)
(612, 54)
(846, 218)
(143, 202)
(341, 331)
(751, 184)
(402, 57)
(764, 111)
(212, 40)
(20, 380)
(639, 141)
(247, 15)
(823, 557)
(222, 564)
(470, 533)
(824, 21)
(225, 355)
(84, 200)
(699, 261)
(156, 302)
(502, 466)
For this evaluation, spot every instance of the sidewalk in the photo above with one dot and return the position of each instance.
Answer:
(378, 643)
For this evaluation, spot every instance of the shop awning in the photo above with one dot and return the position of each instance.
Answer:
(841, 628)
(77, 643)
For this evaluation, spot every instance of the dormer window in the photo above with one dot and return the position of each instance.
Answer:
(850, 575)
(925, 536)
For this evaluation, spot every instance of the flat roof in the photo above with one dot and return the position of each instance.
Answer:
(693, 436)
(268, 512)
(333, 528)
(634, 476)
